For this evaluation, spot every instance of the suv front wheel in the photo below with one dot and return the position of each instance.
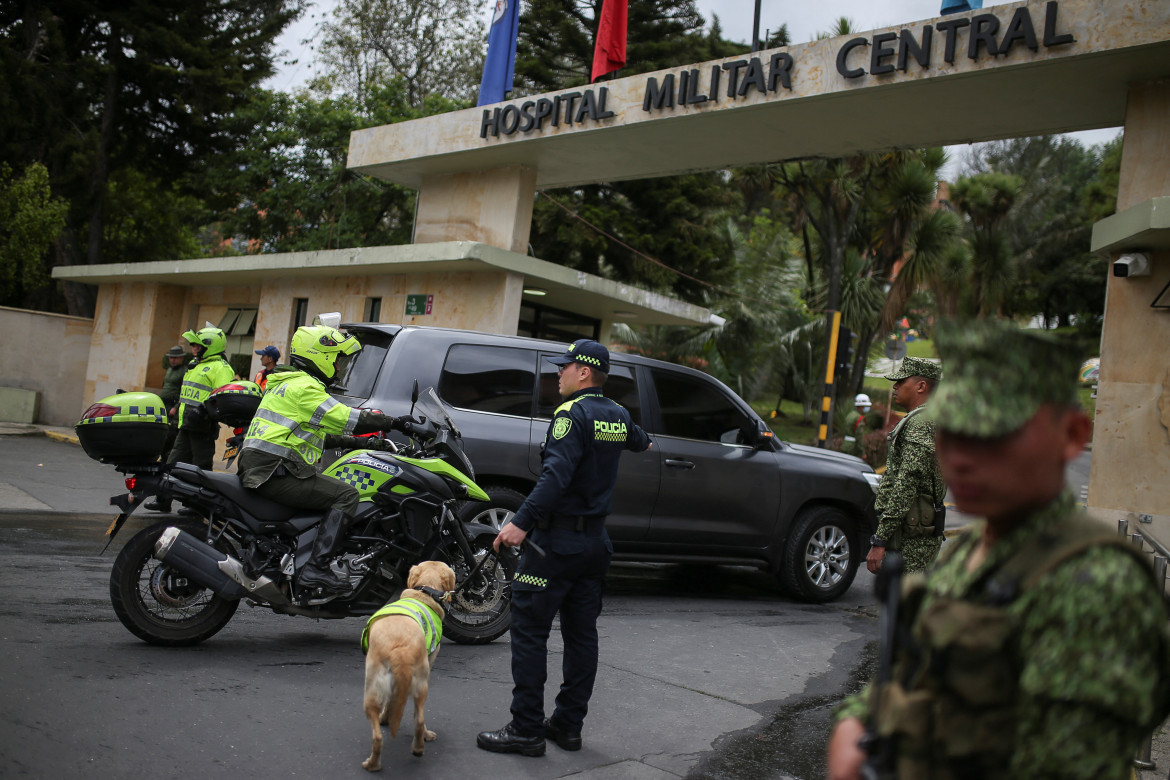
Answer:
(822, 555)
(499, 509)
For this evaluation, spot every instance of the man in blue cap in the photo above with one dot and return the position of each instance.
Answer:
(269, 357)
(565, 514)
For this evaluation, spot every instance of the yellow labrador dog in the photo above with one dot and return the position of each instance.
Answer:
(401, 642)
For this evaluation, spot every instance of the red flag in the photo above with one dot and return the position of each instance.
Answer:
(609, 53)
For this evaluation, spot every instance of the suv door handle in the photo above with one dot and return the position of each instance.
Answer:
(679, 464)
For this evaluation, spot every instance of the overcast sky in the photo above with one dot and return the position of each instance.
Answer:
(804, 20)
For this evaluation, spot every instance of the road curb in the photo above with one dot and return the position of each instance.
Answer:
(68, 438)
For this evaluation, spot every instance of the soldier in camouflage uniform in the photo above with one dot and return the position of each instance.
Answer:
(1037, 646)
(912, 484)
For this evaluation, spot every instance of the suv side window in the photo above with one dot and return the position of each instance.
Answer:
(622, 386)
(694, 409)
(356, 373)
(489, 379)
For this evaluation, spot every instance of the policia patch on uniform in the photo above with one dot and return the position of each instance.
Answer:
(561, 427)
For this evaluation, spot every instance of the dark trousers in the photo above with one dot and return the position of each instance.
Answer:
(193, 447)
(315, 492)
(570, 580)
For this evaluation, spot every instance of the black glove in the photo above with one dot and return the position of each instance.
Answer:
(402, 424)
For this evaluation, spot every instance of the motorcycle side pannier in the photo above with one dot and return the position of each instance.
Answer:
(234, 404)
(124, 429)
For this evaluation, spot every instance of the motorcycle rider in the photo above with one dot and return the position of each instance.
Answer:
(296, 421)
(209, 369)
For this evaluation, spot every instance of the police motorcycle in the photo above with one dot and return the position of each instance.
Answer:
(177, 583)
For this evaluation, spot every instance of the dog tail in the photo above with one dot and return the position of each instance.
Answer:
(399, 693)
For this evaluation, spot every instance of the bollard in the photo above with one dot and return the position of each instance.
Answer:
(1122, 527)
(1137, 541)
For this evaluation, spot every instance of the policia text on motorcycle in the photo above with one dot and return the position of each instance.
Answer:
(565, 513)
(1036, 647)
(297, 420)
(209, 369)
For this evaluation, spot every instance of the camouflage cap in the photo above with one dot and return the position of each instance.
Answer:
(913, 366)
(998, 375)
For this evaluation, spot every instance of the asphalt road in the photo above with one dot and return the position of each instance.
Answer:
(706, 672)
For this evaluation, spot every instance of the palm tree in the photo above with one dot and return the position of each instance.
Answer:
(985, 199)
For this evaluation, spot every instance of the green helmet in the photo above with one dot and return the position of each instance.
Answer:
(315, 349)
(212, 340)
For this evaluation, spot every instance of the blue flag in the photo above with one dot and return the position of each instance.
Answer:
(959, 6)
(501, 55)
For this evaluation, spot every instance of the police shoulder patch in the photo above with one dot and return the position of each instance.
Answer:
(561, 427)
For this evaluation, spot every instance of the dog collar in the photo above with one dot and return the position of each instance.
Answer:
(441, 597)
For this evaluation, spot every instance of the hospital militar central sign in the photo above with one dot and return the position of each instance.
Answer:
(975, 37)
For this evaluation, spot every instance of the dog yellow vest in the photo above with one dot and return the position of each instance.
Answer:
(428, 620)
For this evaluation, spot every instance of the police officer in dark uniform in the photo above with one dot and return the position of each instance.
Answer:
(565, 514)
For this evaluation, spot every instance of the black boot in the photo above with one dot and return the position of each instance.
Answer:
(158, 505)
(317, 572)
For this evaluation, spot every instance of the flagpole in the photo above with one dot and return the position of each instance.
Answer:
(756, 29)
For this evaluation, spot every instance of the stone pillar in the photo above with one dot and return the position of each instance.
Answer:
(490, 206)
(1130, 473)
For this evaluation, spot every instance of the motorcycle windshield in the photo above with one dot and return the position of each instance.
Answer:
(431, 407)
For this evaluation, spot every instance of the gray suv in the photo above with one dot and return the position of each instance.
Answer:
(716, 488)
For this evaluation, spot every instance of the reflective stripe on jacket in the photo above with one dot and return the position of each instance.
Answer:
(200, 380)
(428, 620)
(294, 417)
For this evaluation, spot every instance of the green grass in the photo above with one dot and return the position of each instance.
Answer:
(1088, 403)
(788, 426)
(921, 348)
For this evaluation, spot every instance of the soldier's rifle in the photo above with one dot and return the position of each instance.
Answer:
(880, 763)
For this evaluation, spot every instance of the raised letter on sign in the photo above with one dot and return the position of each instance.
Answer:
(907, 46)
(656, 98)
(754, 77)
(1050, 36)
(951, 27)
(780, 69)
(843, 54)
(879, 52)
(983, 30)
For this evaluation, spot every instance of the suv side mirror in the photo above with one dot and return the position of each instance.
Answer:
(761, 437)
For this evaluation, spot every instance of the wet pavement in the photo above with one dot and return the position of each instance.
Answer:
(705, 671)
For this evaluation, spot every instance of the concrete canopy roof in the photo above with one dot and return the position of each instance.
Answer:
(566, 289)
(1081, 85)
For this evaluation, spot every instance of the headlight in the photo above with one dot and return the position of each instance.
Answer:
(873, 480)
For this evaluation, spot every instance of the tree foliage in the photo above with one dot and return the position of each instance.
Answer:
(30, 221)
(289, 189)
(105, 92)
(435, 47)
(673, 219)
(1039, 247)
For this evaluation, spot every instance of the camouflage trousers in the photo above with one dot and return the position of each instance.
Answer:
(920, 552)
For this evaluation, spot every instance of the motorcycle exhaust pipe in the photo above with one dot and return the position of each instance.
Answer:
(213, 569)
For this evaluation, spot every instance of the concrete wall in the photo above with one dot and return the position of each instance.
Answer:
(481, 300)
(50, 358)
(136, 322)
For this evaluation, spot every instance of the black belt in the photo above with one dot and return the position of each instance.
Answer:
(589, 524)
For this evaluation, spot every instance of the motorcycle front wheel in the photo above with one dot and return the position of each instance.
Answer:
(156, 603)
(481, 612)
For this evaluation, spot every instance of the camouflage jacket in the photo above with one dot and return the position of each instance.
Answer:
(1090, 647)
(911, 470)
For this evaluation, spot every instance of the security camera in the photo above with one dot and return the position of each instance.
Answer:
(1132, 264)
